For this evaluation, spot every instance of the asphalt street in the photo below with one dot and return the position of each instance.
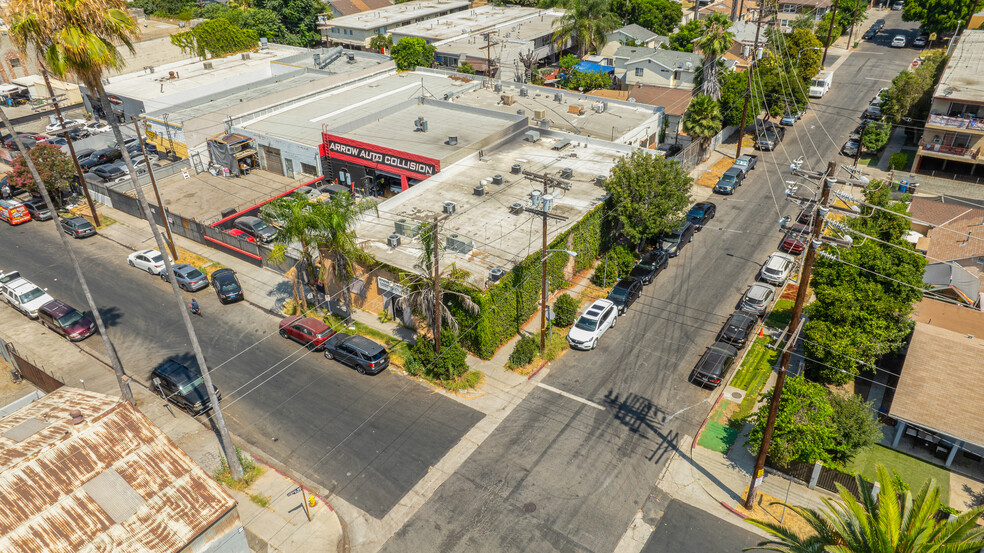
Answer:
(367, 438)
(687, 529)
(560, 474)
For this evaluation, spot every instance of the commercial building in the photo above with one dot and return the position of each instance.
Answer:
(354, 31)
(954, 133)
(82, 471)
(489, 33)
(184, 127)
(673, 101)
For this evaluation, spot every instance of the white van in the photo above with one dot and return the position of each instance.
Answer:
(821, 84)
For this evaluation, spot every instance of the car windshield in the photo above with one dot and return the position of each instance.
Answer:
(696, 213)
(584, 323)
(645, 265)
(71, 318)
(31, 295)
(260, 226)
(671, 239)
(185, 389)
(619, 293)
(727, 178)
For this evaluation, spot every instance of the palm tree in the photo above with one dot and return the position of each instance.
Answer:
(337, 243)
(421, 297)
(585, 22)
(894, 522)
(381, 42)
(715, 41)
(296, 224)
(702, 121)
(80, 37)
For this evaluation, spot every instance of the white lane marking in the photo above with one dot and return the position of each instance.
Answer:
(366, 101)
(874, 79)
(570, 396)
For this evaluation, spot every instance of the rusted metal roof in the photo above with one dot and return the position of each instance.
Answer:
(112, 482)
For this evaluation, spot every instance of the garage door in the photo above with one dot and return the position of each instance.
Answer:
(271, 160)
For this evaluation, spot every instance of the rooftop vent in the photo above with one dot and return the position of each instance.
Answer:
(496, 273)
(558, 97)
(449, 207)
(520, 111)
(567, 173)
(77, 417)
(517, 168)
(497, 87)
(452, 141)
(420, 125)
(393, 241)
(532, 136)
(208, 65)
(497, 179)
(350, 58)
(524, 92)
(317, 59)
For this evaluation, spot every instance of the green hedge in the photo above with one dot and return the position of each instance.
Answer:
(506, 305)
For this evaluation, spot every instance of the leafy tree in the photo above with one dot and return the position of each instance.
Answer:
(683, 39)
(734, 87)
(466, 67)
(938, 16)
(650, 194)
(296, 224)
(616, 264)
(581, 80)
(449, 365)
(215, 38)
(777, 85)
(337, 243)
(858, 315)
(659, 16)
(822, 29)
(851, 13)
(855, 425)
(526, 348)
(299, 17)
(713, 43)
(895, 520)
(910, 94)
(802, 431)
(55, 167)
(163, 7)
(804, 49)
(565, 310)
(586, 22)
(567, 61)
(702, 121)
(875, 137)
(412, 52)
(381, 42)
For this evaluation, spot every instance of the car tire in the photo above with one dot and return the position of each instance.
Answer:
(361, 369)
(311, 346)
(164, 278)
(283, 333)
(328, 355)
(130, 262)
(594, 344)
(150, 270)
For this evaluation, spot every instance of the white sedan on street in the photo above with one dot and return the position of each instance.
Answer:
(69, 124)
(147, 260)
(98, 127)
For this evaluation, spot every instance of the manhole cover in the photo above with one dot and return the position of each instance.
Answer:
(529, 507)
(736, 395)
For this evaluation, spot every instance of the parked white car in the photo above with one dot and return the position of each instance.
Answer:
(98, 127)
(147, 260)
(592, 325)
(25, 296)
(777, 268)
(899, 41)
(69, 124)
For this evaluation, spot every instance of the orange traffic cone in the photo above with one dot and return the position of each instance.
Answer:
(761, 333)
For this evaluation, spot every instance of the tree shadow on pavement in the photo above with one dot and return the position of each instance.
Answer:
(110, 315)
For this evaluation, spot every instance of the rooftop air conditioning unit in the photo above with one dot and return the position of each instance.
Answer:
(539, 114)
(449, 207)
(452, 141)
(245, 55)
(516, 208)
(405, 227)
(508, 99)
(524, 92)
(207, 65)
(458, 243)
(497, 179)
(393, 241)
(544, 123)
(479, 190)
(532, 136)
(496, 273)
(600, 180)
(558, 97)
(516, 168)
(567, 173)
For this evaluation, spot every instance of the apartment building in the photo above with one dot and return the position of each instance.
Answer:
(355, 31)
(954, 132)
(790, 10)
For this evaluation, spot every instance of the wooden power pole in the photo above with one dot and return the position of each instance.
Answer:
(157, 192)
(748, 93)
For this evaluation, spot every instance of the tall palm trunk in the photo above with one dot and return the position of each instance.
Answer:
(121, 378)
(235, 468)
(341, 272)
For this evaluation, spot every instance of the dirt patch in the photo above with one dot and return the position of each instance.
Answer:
(789, 293)
(711, 176)
(767, 509)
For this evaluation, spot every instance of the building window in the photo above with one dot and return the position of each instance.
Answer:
(309, 169)
(790, 8)
(15, 62)
(784, 23)
(638, 71)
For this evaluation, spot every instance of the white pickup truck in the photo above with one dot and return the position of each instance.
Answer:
(25, 296)
(821, 84)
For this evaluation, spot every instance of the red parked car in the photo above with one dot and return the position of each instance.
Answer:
(796, 239)
(306, 331)
(242, 235)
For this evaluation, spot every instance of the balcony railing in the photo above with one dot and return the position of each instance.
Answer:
(950, 150)
(969, 123)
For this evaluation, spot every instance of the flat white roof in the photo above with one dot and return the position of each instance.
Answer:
(512, 37)
(464, 23)
(963, 78)
(395, 15)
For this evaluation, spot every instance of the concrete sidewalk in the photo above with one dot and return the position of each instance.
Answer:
(273, 528)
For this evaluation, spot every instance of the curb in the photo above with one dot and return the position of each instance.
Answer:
(734, 511)
(538, 369)
(693, 443)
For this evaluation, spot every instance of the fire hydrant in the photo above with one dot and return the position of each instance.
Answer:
(312, 501)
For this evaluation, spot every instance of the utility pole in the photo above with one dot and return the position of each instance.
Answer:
(801, 291)
(748, 93)
(437, 285)
(488, 53)
(857, 154)
(830, 31)
(157, 193)
(854, 23)
(71, 145)
(121, 377)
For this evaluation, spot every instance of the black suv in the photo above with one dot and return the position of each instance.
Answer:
(738, 328)
(107, 155)
(183, 386)
(77, 227)
(625, 293)
(714, 364)
(651, 266)
(358, 352)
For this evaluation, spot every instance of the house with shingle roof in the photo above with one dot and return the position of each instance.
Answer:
(657, 67)
(638, 35)
(954, 232)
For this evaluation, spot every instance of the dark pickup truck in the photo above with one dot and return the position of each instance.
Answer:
(745, 163)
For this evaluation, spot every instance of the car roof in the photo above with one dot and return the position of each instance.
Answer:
(183, 267)
(249, 220)
(57, 308)
(364, 344)
(314, 324)
(737, 316)
(724, 348)
(172, 369)
(144, 252)
(19, 283)
(759, 290)
(777, 258)
(595, 309)
(626, 282)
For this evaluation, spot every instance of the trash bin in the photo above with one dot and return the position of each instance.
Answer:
(903, 186)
